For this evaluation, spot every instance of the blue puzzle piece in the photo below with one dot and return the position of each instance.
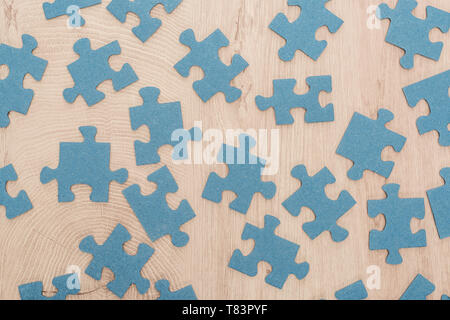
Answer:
(278, 252)
(186, 293)
(419, 289)
(355, 291)
(397, 231)
(84, 162)
(92, 68)
(126, 268)
(142, 8)
(301, 34)
(445, 297)
(411, 33)
(284, 99)
(363, 142)
(157, 218)
(163, 120)
(244, 176)
(440, 205)
(217, 75)
(14, 206)
(435, 91)
(20, 62)
(34, 290)
(60, 7)
(312, 195)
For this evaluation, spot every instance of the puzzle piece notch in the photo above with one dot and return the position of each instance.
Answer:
(153, 212)
(14, 206)
(312, 195)
(165, 123)
(419, 289)
(411, 33)
(355, 291)
(217, 75)
(301, 34)
(364, 141)
(434, 91)
(92, 68)
(61, 7)
(142, 8)
(398, 213)
(20, 62)
(440, 205)
(34, 290)
(284, 99)
(84, 163)
(244, 176)
(186, 293)
(278, 252)
(111, 255)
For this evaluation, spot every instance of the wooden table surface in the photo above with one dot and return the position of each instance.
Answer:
(366, 76)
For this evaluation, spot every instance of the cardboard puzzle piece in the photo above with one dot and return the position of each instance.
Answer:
(419, 289)
(355, 291)
(34, 290)
(301, 34)
(155, 215)
(92, 68)
(284, 99)
(244, 176)
(186, 293)
(63, 7)
(165, 122)
(434, 91)
(397, 231)
(111, 255)
(440, 205)
(20, 62)
(312, 195)
(411, 33)
(142, 8)
(217, 75)
(364, 141)
(87, 163)
(14, 206)
(445, 297)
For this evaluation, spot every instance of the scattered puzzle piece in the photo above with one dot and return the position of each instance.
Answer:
(312, 195)
(126, 268)
(157, 218)
(34, 290)
(61, 7)
(187, 293)
(411, 33)
(244, 176)
(435, 91)
(445, 297)
(92, 68)
(397, 231)
(84, 162)
(355, 291)
(142, 8)
(284, 99)
(440, 205)
(301, 34)
(20, 62)
(163, 120)
(419, 289)
(363, 142)
(205, 54)
(14, 206)
(278, 252)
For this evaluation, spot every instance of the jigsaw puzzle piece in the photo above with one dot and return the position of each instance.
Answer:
(355, 291)
(142, 8)
(301, 34)
(217, 75)
(34, 290)
(312, 195)
(92, 68)
(61, 7)
(364, 141)
(419, 289)
(186, 293)
(445, 297)
(397, 231)
(440, 205)
(14, 206)
(434, 91)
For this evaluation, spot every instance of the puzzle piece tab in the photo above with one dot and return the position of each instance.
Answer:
(312, 195)
(301, 34)
(434, 91)
(419, 289)
(92, 68)
(20, 62)
(363, 142)
(397, 231)
(34, 290)
(111, 255)
(62, 7)
(142, 8)
(411, 33)
(14, 206)
(355, 291)
(84, 162)
(205, 54)
(440, 205)
(186, 293)
(244, 176)
(284, 99)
